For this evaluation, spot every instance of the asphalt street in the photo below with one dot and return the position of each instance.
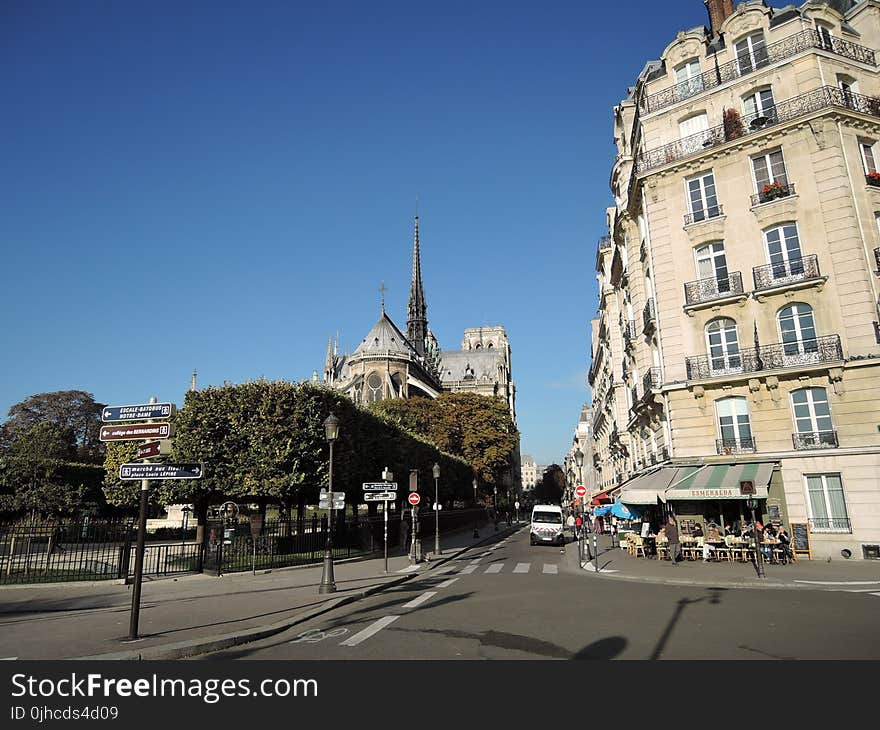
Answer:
(508, 600)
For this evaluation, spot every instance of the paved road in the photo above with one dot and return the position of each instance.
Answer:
(508, 600)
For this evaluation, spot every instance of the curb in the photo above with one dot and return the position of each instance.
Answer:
(195, 647)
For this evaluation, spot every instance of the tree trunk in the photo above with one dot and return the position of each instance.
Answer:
(200, 508)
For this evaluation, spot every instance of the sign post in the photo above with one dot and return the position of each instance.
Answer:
(388, 481)
(415, 554)
(759, 558)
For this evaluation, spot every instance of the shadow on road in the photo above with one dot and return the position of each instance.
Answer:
(603, 649)
(714, 598)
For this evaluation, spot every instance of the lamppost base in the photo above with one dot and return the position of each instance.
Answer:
(328, 583)
(327, 588)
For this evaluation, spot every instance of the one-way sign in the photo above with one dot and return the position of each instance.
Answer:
(161, 471)
(380, 486)
(140, 412)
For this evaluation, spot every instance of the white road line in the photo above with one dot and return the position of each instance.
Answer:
(840, 582)
(373, 628)
(476, 562)
(447, 583)
(484, 554)
(875, 594)
(420, 600)
(8, 658)
(470, 569)
(552, 569)
(408, 569)
(522, 568)
(857, 590)
(495, 568)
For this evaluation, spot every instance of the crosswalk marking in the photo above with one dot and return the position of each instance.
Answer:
(408, 569)
(447, 583)
(373, 628)
(495, 568)
(470, 569)
(420, 600)
(522, 568)
(552, 569)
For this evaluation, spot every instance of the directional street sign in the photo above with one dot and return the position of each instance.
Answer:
(136, 431)
(142, 412)
(379, 496)
(414, 498)
(338, 500)
(581, 491)
(380, 486)
(161, 471)
(154, 448)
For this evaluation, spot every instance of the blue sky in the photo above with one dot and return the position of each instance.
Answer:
(220, 186)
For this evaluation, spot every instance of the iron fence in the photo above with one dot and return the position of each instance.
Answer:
(778, 51)
(706, 290)
(791, 271)
(815, 440)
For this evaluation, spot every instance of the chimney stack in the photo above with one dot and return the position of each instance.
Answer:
(719, 11)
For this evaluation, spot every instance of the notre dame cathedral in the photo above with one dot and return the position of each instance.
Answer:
(391, 364)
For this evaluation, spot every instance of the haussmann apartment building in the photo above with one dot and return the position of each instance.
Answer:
(736, 349)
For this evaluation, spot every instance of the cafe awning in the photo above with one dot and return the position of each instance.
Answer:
(721, 481)
(646, 488)
(603, 497)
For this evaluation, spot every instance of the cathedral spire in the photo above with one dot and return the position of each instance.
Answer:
(417, 311)
(330, 362)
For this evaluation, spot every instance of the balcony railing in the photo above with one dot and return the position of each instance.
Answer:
(778, 51)
(786, 272)
(651, 381)
(877, 258)
(649, 315)
(735, 446)
(773, 191)
(798, 353)
(784, 111)
(830, 524)
(705, 214)
(706, 290)
(815, 440)
(629, 333)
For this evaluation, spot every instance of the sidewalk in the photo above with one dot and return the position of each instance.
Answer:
(190, 615)
(616, 563)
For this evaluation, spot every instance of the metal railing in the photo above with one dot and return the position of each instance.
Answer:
(815, 440)
(704, 214)
(778, 51)
(798, 353)
(735, 446)
(830, 524)
(783, 111)
(649, 315)
(629, 333)
(707, 290)
(773, 191)
(651, 380)
(786, 272)
(877, 258)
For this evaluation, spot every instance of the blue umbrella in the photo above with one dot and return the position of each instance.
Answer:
(618, 509)
(599, 511)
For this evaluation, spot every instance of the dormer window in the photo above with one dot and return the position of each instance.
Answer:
(688, 78)
(751, 53)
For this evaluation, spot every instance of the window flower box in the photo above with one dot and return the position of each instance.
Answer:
(873, 178)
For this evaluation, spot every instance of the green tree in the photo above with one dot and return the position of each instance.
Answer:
(75, 411)
(551, 487)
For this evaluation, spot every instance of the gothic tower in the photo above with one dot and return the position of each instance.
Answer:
(417, 311)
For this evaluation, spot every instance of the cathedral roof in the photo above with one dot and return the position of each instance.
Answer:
(385, 337)
(458, 364)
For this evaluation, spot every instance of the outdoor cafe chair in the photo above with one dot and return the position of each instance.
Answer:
(734, 548)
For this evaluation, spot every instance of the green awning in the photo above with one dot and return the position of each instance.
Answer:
(646, 488)
(722, 481)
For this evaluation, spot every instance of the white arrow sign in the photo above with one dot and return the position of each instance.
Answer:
(379, 496)
(380, 486)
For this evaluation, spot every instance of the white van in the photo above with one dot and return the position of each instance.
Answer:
(547, 525)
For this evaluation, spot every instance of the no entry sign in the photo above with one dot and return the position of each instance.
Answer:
(414, 498)
(581, 491)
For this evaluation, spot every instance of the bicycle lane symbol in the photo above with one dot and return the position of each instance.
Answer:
(314, 636)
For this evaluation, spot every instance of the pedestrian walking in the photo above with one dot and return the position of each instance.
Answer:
(672, 536)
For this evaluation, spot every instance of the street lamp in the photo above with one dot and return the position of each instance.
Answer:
(328, 585)
(436, 509)
(476, 532)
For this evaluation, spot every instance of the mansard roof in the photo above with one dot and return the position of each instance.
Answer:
(456, 364)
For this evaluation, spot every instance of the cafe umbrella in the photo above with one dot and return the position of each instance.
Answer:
(619, 509)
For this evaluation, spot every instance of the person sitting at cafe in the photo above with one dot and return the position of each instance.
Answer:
(698, 530)
(712, 535)
(784, 544)
(767, 541)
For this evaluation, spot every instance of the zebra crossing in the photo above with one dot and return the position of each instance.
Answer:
(509, 567)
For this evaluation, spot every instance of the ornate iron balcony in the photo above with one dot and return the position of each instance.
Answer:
(703, 215)
(705, 290)
(735, 446)
(784, 111)
(629, 333)
(830, 524)
(798, 353)
(778, 51)
(877, 258)
(651, 381)
(786, 272)
(815, 440)
(649, 315)
(773, 191)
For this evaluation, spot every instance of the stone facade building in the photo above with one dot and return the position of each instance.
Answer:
(736, 344)
(390, 364)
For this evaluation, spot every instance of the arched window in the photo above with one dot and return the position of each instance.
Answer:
(712, 264)
(723, 346)
(798, 332)
(374, 387)
(734, 428)
(688, 78)
(812, 419)
(751, 53)
(693, 124)
(759, 109)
